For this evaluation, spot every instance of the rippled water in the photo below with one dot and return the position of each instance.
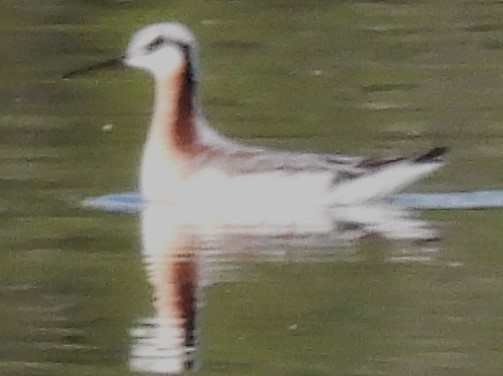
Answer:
(87, 292)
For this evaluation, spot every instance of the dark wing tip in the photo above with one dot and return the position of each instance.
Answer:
(431, 155)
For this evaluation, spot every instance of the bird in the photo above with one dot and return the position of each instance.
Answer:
(186, 161)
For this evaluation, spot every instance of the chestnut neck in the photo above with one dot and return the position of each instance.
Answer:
(174, 119)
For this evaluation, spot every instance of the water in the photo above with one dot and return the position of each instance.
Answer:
(78, 287)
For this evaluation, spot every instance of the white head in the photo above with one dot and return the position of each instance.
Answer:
(162, 49)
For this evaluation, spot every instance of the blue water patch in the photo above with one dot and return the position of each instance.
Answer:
(130, 202)
(451, 200)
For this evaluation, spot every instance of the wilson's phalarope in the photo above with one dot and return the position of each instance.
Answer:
(184, 158)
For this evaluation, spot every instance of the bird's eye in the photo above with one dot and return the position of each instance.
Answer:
(155, 44)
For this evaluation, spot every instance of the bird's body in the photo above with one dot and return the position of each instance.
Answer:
(186, 161)
(215, 168)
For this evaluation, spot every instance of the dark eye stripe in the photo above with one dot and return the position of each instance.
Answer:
(155, 44)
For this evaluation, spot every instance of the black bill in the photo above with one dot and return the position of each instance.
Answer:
(96, 66)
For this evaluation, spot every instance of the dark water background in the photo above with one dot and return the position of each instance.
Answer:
(351, 76)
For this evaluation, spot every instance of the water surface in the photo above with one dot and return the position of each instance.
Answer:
(355, 77)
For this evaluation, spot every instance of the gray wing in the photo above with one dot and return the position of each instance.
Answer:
(250, 160)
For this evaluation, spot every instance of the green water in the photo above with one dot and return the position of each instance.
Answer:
(348, 76)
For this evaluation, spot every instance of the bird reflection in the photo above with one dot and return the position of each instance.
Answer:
(185, 249)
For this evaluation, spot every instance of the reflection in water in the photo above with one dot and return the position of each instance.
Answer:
(166, 342)
(184, 250)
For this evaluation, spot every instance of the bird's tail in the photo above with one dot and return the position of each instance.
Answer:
(385, 176)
